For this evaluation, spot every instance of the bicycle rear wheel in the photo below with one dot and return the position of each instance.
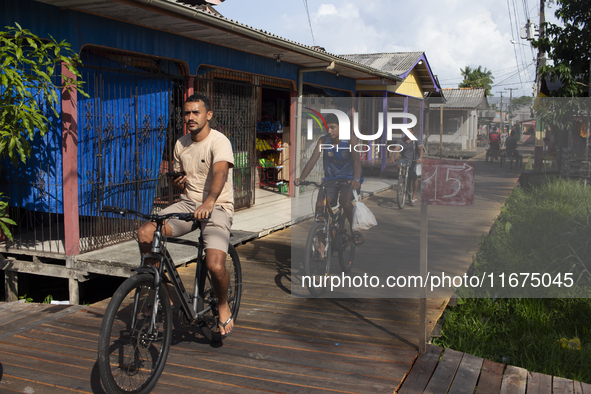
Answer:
(131, 357)
(346, 247)
(208, 321)
(401, 188)
(317, 263)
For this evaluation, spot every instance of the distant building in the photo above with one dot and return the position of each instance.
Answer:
(417, 83)
(461, 112)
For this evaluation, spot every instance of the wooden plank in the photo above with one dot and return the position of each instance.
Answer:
(421, 371)
(467, 375)
(562, 385)
(444, 373)
(582, 388)
(539, 383)
(52, 312)
(514, 380)
(491, 377)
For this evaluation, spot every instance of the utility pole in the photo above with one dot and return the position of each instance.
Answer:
(538, 148)
(510, 105)
(502, 123)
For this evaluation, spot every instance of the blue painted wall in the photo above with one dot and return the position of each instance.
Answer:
(81, 29)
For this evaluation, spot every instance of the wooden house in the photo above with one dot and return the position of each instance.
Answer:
(140, 60)
(417, 83)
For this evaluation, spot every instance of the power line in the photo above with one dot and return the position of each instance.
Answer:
(309, 21)
(513, 36)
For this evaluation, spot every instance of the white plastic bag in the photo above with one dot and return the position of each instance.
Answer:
(363, 219)
(418, 169)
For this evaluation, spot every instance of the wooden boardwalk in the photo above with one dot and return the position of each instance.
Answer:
(450, 371)
(281, 344)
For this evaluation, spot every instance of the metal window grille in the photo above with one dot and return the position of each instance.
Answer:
(126, 131)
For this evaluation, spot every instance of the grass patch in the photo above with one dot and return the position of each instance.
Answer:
(545, 230)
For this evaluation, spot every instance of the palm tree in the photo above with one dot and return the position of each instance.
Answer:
(477, 78)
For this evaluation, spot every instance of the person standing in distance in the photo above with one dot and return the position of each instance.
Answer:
(411, 152)
(205, 156)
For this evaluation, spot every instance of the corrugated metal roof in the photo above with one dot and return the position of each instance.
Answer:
(177, 17)
(397, 63)
(464, 98)
(400, 64)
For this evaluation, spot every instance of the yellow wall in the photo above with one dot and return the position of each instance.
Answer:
(411, 86)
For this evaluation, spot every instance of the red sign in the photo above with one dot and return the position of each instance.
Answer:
(447, 182)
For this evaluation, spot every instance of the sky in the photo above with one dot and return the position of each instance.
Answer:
(452, 33)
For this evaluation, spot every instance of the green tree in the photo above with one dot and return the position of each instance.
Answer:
(477, 78)
(28, 65)
(28, 92)
(569, 48)
(522, 101)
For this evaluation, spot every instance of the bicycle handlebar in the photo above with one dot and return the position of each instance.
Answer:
(326, 183)
(187, 217)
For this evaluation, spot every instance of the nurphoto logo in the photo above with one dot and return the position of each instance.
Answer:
(345, 128)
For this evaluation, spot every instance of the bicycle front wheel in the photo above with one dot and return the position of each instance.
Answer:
(133, 345)
(317, 259)
(208, 321)
(401, 189)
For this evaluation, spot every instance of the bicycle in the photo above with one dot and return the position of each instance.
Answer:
(136, 331)
(493, 153)
(404, 187)
(329, 228)
(512, 156)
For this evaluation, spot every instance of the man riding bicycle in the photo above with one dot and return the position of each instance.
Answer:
(494, 139)
(205, 156)
(339, 162)
(511, 145)
(411, 152)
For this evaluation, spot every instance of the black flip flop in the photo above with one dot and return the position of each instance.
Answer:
(224, 326)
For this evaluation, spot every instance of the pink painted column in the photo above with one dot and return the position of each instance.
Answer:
(293, 110)
(70, 166)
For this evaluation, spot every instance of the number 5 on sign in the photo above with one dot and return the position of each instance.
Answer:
(447, 182)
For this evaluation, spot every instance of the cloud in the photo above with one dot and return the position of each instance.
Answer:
(452, 33)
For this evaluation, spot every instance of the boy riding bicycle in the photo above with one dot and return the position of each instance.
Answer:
(340, 161)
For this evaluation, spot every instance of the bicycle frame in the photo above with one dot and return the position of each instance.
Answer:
(160, 253)
(332, 216)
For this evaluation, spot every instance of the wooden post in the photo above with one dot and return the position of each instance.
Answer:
(70, 166)
(293, 110)
(441, 131)
(423, 273)
(70, 177)
(11, 285)
(73, 284)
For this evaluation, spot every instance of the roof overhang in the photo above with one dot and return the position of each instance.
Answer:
(183, 19)
(428, 81)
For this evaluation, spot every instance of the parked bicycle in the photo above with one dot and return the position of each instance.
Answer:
(405, 187)
(136, 331)
(328, 233)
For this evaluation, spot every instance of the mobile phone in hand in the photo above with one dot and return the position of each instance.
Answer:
(175, 174)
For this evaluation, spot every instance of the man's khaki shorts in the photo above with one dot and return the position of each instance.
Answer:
(216, 230)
